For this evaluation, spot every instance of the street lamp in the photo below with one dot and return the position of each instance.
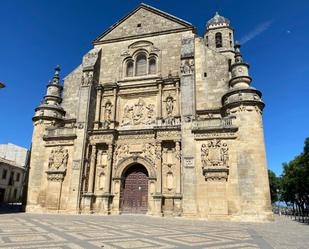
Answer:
(278, 195)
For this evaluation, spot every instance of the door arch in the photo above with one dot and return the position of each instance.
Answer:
(134, 190)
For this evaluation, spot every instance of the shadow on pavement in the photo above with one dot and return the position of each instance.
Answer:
(9, 208)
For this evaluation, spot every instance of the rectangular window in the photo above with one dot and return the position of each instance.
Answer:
(17, 177)
(4, 173)
(11, 180)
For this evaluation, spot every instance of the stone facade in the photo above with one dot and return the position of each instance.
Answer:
(13, 167)
(153, 95)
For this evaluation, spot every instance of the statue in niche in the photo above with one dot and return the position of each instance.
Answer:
(108, 111)
(169, 105)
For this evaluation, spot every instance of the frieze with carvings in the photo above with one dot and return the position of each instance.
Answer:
(171, 135)
(212, 135)
(57, 164)
(214, 159)
(147, 151)
(54, 143)
(139, 113)
(106, 138)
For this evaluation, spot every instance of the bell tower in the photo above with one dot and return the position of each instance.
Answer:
(219, 35)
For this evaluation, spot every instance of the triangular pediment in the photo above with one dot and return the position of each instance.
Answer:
(143, 21)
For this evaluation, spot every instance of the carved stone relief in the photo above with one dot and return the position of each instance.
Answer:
(87, 78)
(138, 114)
(214, 159)
(187, 67)
(169, 106)
(147, 150)
(57, 164)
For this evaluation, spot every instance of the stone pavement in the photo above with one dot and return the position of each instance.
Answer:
(136, 231)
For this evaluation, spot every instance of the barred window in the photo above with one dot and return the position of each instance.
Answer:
(141, 65)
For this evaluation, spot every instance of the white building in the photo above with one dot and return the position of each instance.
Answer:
(13, 165)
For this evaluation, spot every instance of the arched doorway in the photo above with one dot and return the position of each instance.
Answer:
(134, 190)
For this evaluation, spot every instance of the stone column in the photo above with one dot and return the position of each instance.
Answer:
(157, 197)
(159, 166)
(109, 169)
(159, 113)
(178, 168)
(98, 108)
(116, 193)
(92, 169)
(103, 197)
(177, 100)
(115, 109)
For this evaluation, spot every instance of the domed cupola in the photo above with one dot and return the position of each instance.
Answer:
(219, 35)
(218, 22)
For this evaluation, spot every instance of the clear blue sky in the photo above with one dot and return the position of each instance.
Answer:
(37, 35)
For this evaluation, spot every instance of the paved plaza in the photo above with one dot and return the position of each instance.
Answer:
(136, 231)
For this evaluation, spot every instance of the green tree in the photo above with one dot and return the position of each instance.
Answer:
(295, 180)
(274, 184)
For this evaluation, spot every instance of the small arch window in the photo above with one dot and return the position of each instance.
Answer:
(218, 38)
(129, 70)
(141, 65)
(152, 65)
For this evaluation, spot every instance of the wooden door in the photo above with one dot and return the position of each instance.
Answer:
(135, 190)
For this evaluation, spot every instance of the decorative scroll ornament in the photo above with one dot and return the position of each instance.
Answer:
(138, 114)
(57, 164)
(214, 158)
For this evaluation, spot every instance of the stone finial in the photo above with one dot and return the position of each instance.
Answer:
(238, 56)
(56, 75)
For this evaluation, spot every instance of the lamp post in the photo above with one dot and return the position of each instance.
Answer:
(278, 195)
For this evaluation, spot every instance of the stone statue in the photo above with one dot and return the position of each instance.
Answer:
(169, 105)
(108, 111)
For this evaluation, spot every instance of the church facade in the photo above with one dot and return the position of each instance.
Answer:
(154, 120)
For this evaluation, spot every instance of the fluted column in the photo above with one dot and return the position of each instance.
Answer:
(109, 169)
(178, 168)
(98, 108)
(159, 166)
(115, 108)
(92, 169)
(159, 114)
(177, 100)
